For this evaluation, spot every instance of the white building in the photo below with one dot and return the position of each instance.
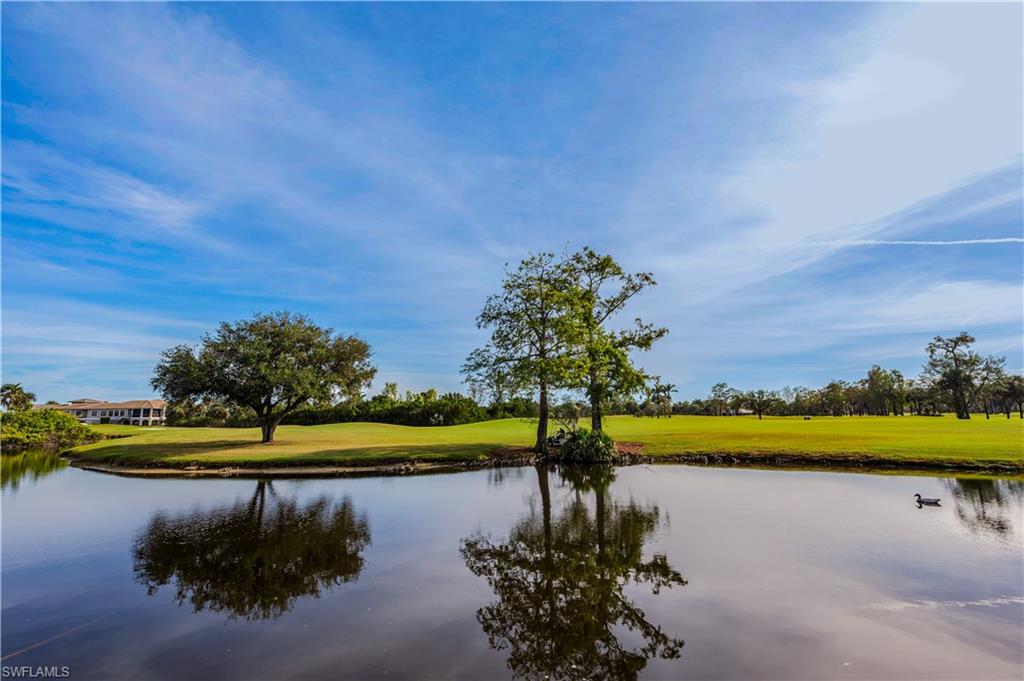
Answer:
(134, 412)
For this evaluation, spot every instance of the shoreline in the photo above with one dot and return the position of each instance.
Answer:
(852, 463)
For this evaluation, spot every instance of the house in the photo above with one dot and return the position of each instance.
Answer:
(133, 412)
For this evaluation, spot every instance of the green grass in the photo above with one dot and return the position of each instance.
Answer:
(896, 440)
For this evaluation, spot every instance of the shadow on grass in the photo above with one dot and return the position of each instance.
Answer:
(181, 455)
(154, 452)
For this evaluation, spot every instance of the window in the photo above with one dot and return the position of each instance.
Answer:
(104, 413)
(136, 412)
(145, 412)
(158, 412)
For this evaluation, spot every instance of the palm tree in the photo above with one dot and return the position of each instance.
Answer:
(14, 398)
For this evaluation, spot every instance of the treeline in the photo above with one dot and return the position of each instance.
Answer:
(427, 408)
(955, 379)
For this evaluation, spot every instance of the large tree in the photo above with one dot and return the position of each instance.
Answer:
(961, 372)
(272, 363)
(603, 367)
(531, 338)
(15, 398)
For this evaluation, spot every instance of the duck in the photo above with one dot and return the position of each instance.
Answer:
(930, 501)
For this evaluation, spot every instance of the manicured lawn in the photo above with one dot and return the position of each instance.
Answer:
(894, 439)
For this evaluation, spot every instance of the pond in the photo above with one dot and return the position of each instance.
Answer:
(657, 572)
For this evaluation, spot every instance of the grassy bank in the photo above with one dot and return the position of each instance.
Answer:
(907, 441)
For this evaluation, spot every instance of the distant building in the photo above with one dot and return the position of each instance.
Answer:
(133, 412)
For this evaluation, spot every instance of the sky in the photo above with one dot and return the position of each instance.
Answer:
(815, 187)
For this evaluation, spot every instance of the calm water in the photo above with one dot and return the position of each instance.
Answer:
(651, 572)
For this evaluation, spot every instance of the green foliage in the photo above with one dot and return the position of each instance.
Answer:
(959, 372)
(42, 428)
(601, 364)
(587, 446)
(272, 364)
(531, 334)
(423, 409)
(14, 398)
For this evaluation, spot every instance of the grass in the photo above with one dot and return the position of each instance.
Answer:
(907, 440)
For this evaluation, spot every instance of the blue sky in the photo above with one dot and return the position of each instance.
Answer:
(776, 166)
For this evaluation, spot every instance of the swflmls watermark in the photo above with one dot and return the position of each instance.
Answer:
(27, 672)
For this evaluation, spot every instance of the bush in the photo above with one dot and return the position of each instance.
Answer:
(588, 446)
(42, 428)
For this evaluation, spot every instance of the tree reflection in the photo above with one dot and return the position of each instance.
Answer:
(985, 506)
(33, 465)
(559, 583)
(253, 559)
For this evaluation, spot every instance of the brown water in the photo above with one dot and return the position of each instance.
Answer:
(649, 572)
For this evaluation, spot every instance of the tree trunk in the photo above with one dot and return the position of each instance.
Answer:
(758, 416)
(542, 420)
(267, 428)
(595, 402)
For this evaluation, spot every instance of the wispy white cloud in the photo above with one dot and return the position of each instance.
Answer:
(919, 242)
(233, 181)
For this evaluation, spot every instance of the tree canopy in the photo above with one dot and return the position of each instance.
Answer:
(550, 330)
(15, 398)
(961, 372)
(272, 363)
(602, 367)
(530, 339)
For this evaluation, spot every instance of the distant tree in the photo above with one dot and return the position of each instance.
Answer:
(721, 393)
(959, 372)
(272, 363)
(601, 289)
(14, 398)
(834, 397)
(531, 337)
(761, 401)
(1013, 394)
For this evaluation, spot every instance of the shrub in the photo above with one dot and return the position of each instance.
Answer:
(588, 446)
(42, 428)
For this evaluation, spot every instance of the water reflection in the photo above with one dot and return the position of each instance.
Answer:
(253, 559)
(559, 581)
(986, 506)
(36, 464)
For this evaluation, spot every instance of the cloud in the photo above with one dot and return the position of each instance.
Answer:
(955, 242)
(380, 188)
(933, 101)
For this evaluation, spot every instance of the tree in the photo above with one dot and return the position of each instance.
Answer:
(601, 289)
(662, 397)
(14, 398)
(721, 394)
(959, 371)
(760, 401)
(530, 333)
(834, 397)
(1013, 394)
(272, 363)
